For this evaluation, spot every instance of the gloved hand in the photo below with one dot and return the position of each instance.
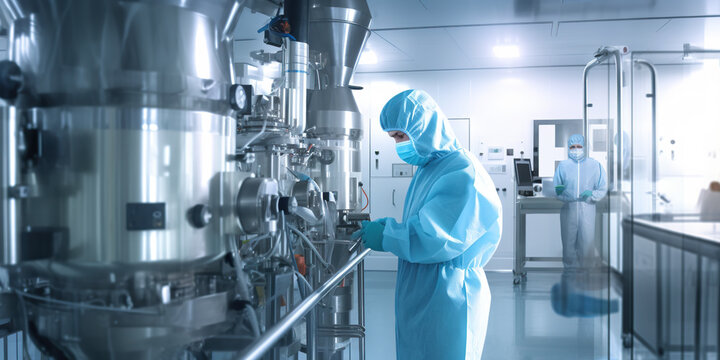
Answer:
(559, 189)
(371, 234)
(358, 234)
(585, 195)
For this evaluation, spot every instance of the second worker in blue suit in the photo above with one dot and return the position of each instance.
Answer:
(450, 228)
(580, 183)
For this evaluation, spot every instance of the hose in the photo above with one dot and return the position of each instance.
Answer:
(304, 280)
(367, 199)
(310, 245)
(243, 287)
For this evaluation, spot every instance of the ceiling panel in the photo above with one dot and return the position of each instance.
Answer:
(434, 34)
(423, 13)
(704, 32)
(478, 41)
(384, 50)
(426, 46)
(637, 34)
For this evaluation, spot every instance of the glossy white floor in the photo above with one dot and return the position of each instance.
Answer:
(524, 322)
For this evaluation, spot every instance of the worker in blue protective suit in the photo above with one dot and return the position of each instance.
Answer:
(450, 228)
(580, 182)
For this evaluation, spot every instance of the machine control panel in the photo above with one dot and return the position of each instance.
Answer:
(145, 216)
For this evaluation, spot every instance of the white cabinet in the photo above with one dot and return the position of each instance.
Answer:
(387, 197)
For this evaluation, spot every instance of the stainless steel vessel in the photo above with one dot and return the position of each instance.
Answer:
(120, 177)
(124, 117)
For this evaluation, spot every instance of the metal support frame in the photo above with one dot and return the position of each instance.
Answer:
(653, 96)
(600, 56)
(266, 341)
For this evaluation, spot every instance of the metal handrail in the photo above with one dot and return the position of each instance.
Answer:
(266, 341)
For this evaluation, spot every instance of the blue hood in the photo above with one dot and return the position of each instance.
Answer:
(576, 139)
(416, 114)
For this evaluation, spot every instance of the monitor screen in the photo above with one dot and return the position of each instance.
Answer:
(524, 174)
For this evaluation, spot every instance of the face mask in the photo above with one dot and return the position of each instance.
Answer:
(406, 152)
(576, 154)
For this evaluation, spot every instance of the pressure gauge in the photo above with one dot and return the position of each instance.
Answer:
(240, 96)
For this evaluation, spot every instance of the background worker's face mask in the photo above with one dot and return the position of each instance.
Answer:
(406, 151)
(576, 154)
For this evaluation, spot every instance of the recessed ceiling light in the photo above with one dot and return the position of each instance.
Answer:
(506, 51)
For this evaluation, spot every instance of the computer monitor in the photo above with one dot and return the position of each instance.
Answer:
(523, 176)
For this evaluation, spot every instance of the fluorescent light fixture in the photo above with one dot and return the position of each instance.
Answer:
(506, 51)
(368, 57)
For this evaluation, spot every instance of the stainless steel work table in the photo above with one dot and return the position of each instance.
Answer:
(525, 205)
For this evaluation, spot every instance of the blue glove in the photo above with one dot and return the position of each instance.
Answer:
(372, 234)
(358, 234)
(585, 195)
(559, 189)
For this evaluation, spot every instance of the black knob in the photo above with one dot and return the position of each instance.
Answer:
(200, 215)
(10, 79)
(288, 204)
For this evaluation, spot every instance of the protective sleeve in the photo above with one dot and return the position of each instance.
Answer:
(454, 216)
(600, 188)
(559, 179)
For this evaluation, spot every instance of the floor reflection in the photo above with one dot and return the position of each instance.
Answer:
(583, 294)
(551, 316)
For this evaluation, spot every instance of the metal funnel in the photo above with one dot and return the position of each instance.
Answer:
(338, 29)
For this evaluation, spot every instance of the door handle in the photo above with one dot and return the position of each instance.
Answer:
(393, 197)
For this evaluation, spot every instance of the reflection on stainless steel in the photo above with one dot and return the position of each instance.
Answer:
(143, 216)
(294, 91)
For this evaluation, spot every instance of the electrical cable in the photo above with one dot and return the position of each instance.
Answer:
(367, 199)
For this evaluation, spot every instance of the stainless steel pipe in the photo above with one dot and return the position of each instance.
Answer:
(272, 335)
(601, 55)
(653, 96)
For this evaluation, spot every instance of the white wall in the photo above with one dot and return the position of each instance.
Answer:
(501, 105)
